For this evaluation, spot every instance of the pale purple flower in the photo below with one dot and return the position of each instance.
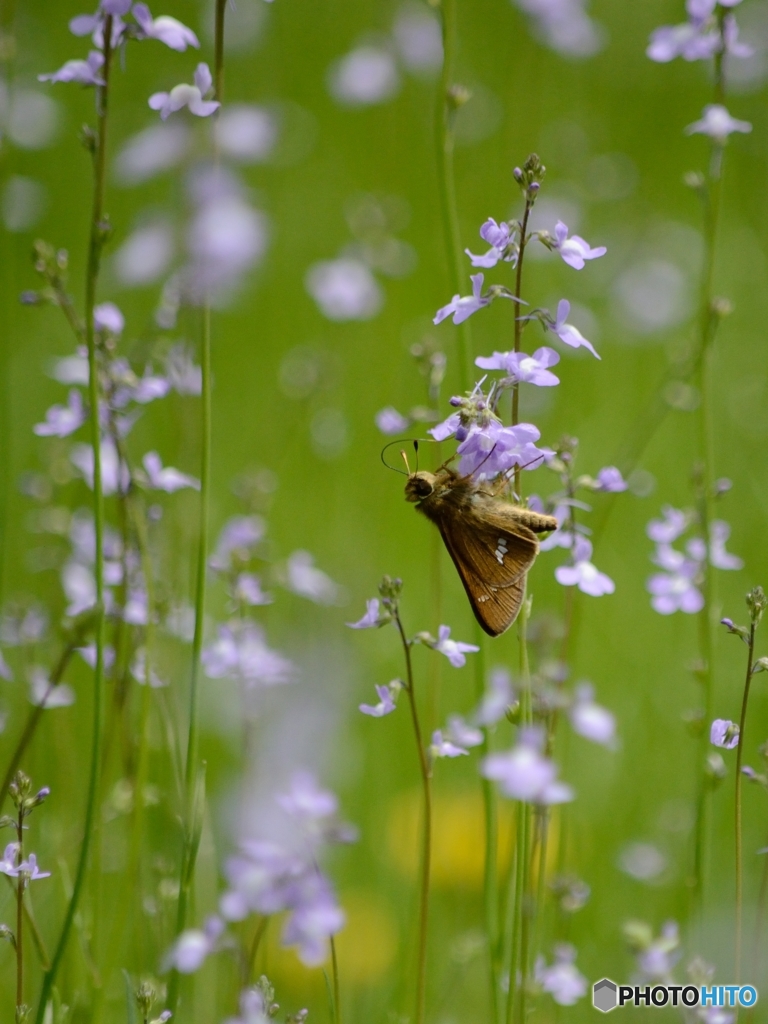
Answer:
(240, 652)
(248, 590)
(497, 698)
(166, 30)
(574, 250)
(582, 573)
(674, 589)
(107, 317)
(8, 861)
(139, 671)
(391, 422)
(63, 420)
(719, 532)
(28, 869)
(610, 479)
(93, 24)
(418, 38)
(136, 607)
(72, 369)
(669, 528)
(372, 618)
(79, 587)
(315, 916)
(657, 960)
(522, 367)
(717, 123)
(493, 449)
(724, 733)
(263, 877)
(498, 237)
(238, 537)
(564, 26)
(190, 96)
(84, 72)
(386, 703)
(88, 654)
(567, 333)
(25, 626)
(365, 76)
(563, 980)
(442, 747)
(463, 734)
(306, 801)
(446, 428)
(252, 1009)
(151, 151)
(562, 537)
(690, 40)
(454, 650)
(115, 475)
(524, 773)
(166, 478)
(184, 375)
(462, 308)
(189, 951)
(246, 133)
(42, 694)
(149, 387)
(733, 47)
(590, 720)
(306, 580)
(344, 289)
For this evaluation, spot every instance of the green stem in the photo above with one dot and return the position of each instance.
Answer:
(519, 323)
(36, 715)
(336, 987)
(94, 260)
(187, 868)
(426, 834)
(20, 913)
(445, 138)
(738, 819)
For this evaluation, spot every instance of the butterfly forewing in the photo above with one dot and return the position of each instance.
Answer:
(492, 562)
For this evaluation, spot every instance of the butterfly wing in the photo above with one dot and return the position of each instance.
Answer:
(492, 561)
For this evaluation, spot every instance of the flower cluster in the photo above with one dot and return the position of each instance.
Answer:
(702, 36)
(677, 586)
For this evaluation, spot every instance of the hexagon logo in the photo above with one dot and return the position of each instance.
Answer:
(604, 995)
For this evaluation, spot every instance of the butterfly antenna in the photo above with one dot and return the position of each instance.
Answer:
(395, 469)
(405, 460)
(416, 451)
(490, 453)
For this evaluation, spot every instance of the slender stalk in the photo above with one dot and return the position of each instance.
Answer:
(94, 259)
(336, 995)
(738, 818)
(34, 931)
(20, 912)
(445, 114)
(189, 850)
(426, 835)
(519, 323)
(526, 908)
(36, 714)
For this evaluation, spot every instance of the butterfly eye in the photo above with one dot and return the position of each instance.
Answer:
(423, 487)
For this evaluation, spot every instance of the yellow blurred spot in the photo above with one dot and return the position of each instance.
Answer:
(365, 947)
(458, 837)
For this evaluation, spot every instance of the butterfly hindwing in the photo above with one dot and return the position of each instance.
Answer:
(492, 562)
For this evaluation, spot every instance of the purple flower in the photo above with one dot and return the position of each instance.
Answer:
(610, 479)
(461, 308)
(563, 980)
(344, 289)
(497, 698)
(248, 590)
(189, 951)
(28, 869)
(238, 537)
(371, 619)
(717, 123)
(574, 250)
(724, 733)
(498, 237)
(691, 41)
(8, 861)
(454, 650)
(441, 747)
(166, 30)
(252, 1009)
(114, 472)
(522, 367)
(524, 773)
(93, 24)
(149, 387)
(305, 801)
(107, 317)
(88, 654)
(493, 449)
(669, 528)
(240, 652)
(85, 72)
(675, 589)
(386, 705)
(43, 695)
(731, 39)
(306, 580)
(316, 916)
(719, 532)
(184, 375)
(63, 420)
(462, 734)
(582, 573)
(166, 479)
(590, 720)
(190, 96)
(446, 428)
(390, 421)
(567, 333)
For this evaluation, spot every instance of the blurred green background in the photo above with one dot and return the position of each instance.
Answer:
(610, 130)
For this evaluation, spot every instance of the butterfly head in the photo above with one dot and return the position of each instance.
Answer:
(419, 486)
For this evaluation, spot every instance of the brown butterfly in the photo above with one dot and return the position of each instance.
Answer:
(492, 542)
